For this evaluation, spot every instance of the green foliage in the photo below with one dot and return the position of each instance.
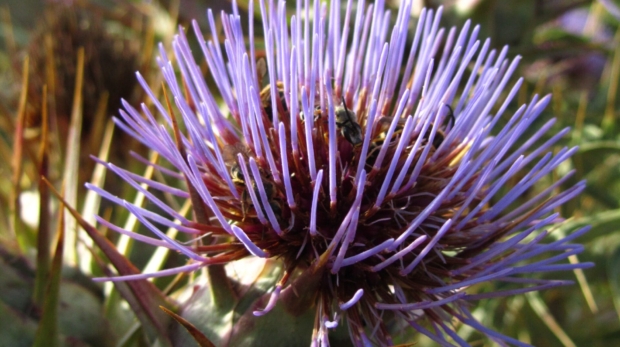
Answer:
(581, 68)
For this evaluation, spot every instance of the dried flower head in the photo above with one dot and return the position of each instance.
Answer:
(370, 173)
(109, 60)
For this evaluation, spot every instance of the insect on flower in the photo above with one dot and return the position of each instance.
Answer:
(347, 123)
(266, 94)
(440, 135)
(231, 154)
(381, 212)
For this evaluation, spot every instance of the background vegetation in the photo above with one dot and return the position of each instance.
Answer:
(78, 61)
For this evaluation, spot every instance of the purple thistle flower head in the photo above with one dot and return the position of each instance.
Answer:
(374, 174)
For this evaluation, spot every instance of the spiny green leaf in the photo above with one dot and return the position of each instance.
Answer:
(143, 296)
(152, 322)
(198, 336)
(17, 164)
(72, 160)
(45, 217)
(47, 333)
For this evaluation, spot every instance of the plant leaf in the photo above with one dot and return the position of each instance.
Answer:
(43, 234)
(16, 163)
(614, 278)
(198, 336)
(72, 160)
(47, 333)
(143, 296)
(603, 223)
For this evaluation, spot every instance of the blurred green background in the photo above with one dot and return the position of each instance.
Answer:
(570, 49)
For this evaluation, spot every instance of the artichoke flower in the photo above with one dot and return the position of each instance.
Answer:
(367, 164)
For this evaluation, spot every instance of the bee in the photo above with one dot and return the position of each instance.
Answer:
(261, 72)
(265, 93)
(316, 114)
(243, 183)
(440, 135)
(346, 121)
(238, 179)
(229, 154)
(377, 142)
(383, 126)
(273, 198)
(237, 174)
